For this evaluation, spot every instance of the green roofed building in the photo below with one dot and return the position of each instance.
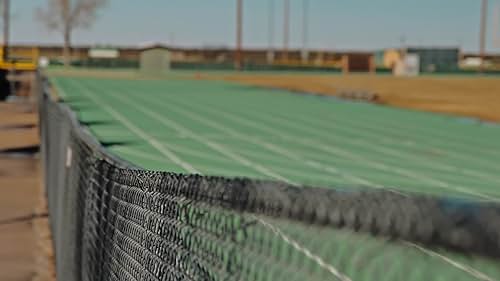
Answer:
(155, 60)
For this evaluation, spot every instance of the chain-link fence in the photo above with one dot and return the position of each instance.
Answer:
(113, 221)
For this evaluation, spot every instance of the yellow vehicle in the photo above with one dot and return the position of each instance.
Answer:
(19, 60)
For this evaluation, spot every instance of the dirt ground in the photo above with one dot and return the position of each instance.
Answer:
(24, 236)
(18, 127)
(459, 95)
(16, 138)
(18, 181)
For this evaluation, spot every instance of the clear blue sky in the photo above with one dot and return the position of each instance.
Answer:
(334, 24)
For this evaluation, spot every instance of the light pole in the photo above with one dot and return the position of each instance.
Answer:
(482, 33)
(239, 35)
(305, 26)
(286, 28)
(496, 26)
(270, 51)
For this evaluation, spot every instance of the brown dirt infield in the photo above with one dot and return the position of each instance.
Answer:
(458, 95)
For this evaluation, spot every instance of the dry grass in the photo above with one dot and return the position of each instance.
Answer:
(466, 96)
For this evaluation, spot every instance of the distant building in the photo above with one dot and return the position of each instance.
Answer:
(409, 65)
(358, 62)
(154, 60)
(474, 61)
(436, 59)
(430, 59)
(471, 62)
(387, 58)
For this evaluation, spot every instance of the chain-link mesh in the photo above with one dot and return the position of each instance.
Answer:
(114, 222)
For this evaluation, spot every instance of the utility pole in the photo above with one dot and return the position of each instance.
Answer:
(239, 35)
(270, 51)
(305, 27)
(286, 28)
(482, 33)
(6, 21)
(496, 26)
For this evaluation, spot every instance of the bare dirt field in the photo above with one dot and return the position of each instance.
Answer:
(459, 95)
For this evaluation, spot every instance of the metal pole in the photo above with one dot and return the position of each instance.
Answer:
(286, 28)
(6, 21)
(270, 52)
(496, 26)
(305, 26)
(239, 35)
(482, 34)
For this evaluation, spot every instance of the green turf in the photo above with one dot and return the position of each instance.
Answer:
(220, 128)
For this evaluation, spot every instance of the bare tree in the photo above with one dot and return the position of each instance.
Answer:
(68, 15)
